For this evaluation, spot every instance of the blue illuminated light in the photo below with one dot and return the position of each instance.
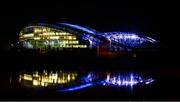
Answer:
(127, 39)
(151, 39)
(130, 80)
(77, 87)
(148, 81)
(89, 77)
(111, 80)
(80, 28)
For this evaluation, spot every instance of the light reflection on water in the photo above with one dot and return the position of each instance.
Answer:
(46, 78)
(71, 81)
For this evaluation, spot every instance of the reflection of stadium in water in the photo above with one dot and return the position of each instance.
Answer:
(126, 80)
(47, 78)
(110, 80)
(71, 81)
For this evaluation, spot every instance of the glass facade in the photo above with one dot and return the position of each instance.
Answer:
(44, 37)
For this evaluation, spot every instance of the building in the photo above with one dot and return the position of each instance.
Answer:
(62, 36)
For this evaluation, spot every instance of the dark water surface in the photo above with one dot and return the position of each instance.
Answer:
(85, 79)
(165, 85)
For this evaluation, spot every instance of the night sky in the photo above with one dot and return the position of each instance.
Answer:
(156, 21)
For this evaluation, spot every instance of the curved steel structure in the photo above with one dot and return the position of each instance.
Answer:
(64, 35)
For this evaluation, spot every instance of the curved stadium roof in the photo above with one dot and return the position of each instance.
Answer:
(117, 39)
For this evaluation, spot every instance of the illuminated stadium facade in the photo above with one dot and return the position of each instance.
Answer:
(69, 36)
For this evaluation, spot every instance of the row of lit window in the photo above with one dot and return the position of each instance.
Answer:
(65, 42)
(53, 33)
(65, 46)
(69, 42)
(46, 34)
(73, 46)
(42, 29)
(38, 29)
(51, 37)
(59, 42)
(63, 37)
(27, 35)
(49, 31)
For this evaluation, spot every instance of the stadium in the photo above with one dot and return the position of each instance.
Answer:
(62, 36)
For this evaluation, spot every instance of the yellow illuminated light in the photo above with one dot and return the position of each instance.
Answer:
(46, 78)
(68, 77)
(37, 38)
(44, 30)
(45, 34)
(70, 37)
(73, 77)
(37, 30)
(27, 77)
(35, 82)
(54, 37)
(42, 84)
(28, 35)
(74, 38)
